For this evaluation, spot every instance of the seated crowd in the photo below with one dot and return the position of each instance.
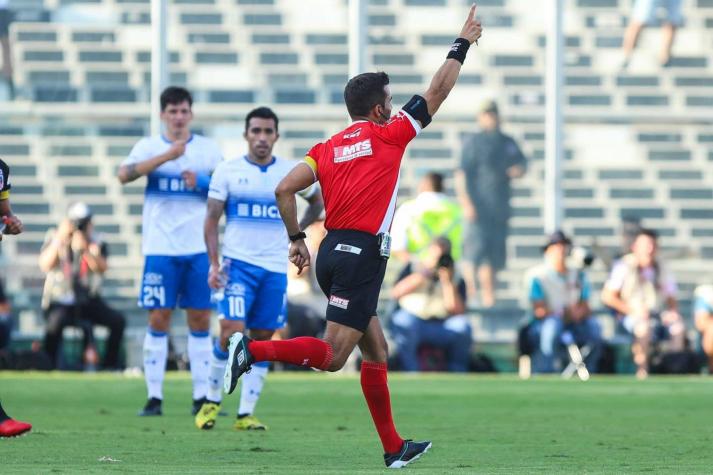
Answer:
(429, 326)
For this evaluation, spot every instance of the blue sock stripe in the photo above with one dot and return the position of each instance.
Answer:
(156, 333)
(262, 364)
(200, 334)
(219, 353)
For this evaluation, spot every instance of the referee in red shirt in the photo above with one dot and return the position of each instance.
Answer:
(358, 170)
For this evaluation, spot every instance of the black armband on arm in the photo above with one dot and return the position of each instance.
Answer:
(418, 109)
(459, 48)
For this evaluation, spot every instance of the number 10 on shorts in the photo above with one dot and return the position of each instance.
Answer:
(236, 306)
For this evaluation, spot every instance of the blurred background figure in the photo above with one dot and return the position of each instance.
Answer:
(644, 13)
(419, 221)
(431, 302)
(559, 296)
(306, 304)
(75, 260)
(489, 160)
(642, 292)
(6, 17)
(703, 308)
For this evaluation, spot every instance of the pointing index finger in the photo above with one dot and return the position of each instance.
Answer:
(473, 8)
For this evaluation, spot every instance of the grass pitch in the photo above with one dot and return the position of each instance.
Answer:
(319, 423)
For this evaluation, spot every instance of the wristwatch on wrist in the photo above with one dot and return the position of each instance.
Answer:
(298, 236)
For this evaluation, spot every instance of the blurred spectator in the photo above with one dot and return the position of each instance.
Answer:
(75, 260)
(431, 306)
(644, 13)
(642, 292)
(490, 159)
(559, 296)
(703, 307)
(5, 321)
(302, 288)
(6, 17)
(306, 304)
(418, 222)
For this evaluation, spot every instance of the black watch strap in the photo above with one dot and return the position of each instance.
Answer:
(298, 236)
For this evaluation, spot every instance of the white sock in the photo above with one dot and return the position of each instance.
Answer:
(155, 356)
(218, 360)
(252, 387)
(199, 351)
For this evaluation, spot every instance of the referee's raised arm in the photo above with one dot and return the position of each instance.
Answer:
(446, 76)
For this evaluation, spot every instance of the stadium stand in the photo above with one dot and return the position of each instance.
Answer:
(637, 143)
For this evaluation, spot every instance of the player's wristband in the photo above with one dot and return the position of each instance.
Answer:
(298, 236)
(459, 49)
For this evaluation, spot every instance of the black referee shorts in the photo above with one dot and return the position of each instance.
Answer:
(350, 272)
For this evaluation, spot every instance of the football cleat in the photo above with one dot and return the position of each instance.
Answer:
(249, 423)
(152, 408)
(239, 361)
(13, 428)
(206, 416)
(409, 452)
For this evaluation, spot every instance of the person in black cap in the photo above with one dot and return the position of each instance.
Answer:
(75, 260)
(559, 299)
(489, 160)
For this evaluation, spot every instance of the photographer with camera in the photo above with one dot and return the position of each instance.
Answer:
(642, 292)
(431, 306)
(559, 299)
(75, 260)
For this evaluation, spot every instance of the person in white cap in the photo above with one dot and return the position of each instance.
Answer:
(75, 260)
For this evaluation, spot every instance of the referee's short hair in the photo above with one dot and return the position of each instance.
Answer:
(364, 91)
(175, 95)
(436, 181)
(261, 113)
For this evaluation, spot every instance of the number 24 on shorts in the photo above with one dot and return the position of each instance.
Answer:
(152, 292)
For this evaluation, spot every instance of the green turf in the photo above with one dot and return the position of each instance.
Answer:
(319, 423)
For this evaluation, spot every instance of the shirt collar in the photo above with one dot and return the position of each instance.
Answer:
(165, 139)
(263, 168)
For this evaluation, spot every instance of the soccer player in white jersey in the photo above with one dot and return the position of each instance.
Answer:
(178, 165)
(254, 266)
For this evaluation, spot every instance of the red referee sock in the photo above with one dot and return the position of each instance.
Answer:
(301, 351)
(376, 392)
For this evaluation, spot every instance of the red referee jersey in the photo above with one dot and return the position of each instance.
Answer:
(358, 170)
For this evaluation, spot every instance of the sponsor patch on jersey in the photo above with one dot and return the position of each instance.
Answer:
(352, 135)
(2, 180)
(338, 302)
(347, 153)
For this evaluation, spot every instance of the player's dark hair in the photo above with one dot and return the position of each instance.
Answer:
(364, 91)
(175, 95)
(648, 233)
(436, 181)
(261, 113)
